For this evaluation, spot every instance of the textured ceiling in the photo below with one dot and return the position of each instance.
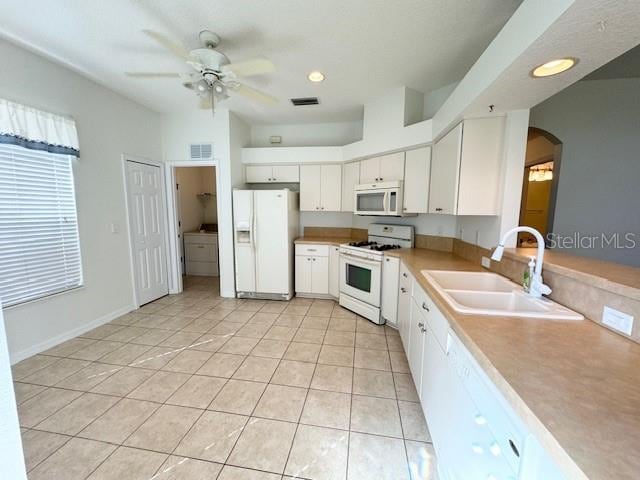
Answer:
(364, 47)
(626, 65)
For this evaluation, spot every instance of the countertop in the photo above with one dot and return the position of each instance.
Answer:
(323, 240)
(575, 385)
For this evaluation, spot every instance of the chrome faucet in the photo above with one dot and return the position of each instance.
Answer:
(537, 288)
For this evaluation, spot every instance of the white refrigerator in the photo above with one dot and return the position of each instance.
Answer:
(265, 224)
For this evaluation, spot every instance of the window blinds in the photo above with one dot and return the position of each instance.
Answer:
(39, 243)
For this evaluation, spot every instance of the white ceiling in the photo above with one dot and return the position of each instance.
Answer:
(364, 47)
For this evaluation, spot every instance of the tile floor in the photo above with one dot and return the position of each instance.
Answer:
(195, 387)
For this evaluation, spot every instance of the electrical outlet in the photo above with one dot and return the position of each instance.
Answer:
(617, 320)
(486, 262)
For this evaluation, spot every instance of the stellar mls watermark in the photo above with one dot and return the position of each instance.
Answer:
(617, 240)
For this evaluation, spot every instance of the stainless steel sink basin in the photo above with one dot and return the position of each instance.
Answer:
(485, 293)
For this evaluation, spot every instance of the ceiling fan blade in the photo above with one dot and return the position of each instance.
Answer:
(152, 74)
(205, 101)
(257, 66)
(253, 94)
(175, 48)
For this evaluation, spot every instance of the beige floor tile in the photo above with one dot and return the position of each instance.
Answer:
(263, 445)
(320, 309)
(226, 328)
(368, 327)
(39, 445)
(378, 416)
(414, 425)
(125, 355)
(96, 350)
(327, 409)
(31, 365)
(101, 332)
(333, 378)
(238, 396)
(343, 324)
(292, 321)
(280, 333)
(394, 343)
(382, 458)
(153, 320)
(164, 429)
(340, 338)
(335, 355)
(253, 330)
(309, 335)
(153, 337)
(181, 339)
(250, 305)
(197, 392)
(239, 316)
(123, 381)
(129, 463)
(263, 318)
(159, 387)
(25, 391)
(210, 342)
(372, 359)
(270, 348)
(239, 345)
(303, 352)
(66, 349)
(221, 365)
(73, 461)
(38, 408)
(319, 323)
(301, 301)
(187, 361)
(280, 402)
(340, 312)
(88, 377)
(217, 313)
(319, 453)
(405, 388)
(120, 421)
(399, 362)
(296, 309)
(274, 307)
(184, 468)
(177, 322)
(127, 334)
(257, 369)
(371, 341)
(56, 372)
(422, 461)
(212, 437)
(78, 414)
(155, 358)
(374, 383)
(294, 374)
(237, 473)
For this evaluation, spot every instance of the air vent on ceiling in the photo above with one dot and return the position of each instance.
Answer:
(305, 101)
(201, 151)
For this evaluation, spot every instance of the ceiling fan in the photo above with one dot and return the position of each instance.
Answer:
(214, 77)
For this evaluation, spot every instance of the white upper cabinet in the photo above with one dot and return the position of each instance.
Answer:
(385, 168)
(416, 180)
(350, 178)
(272, 174)
(465, 168)
(320, 188)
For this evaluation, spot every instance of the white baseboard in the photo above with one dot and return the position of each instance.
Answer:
(16, 357)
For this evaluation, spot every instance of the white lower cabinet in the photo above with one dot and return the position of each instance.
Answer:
(312, 270)
(334, 271)
(405, 285)
(418, 329)
(390, 273)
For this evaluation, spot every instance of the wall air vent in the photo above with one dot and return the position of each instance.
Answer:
(305, 101)
(201, 151)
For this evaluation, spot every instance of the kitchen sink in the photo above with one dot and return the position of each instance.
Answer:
(485, 293)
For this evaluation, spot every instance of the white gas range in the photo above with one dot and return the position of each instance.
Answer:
(361, 268)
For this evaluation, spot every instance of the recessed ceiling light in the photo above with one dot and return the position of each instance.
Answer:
(554, 67)
(315, 76)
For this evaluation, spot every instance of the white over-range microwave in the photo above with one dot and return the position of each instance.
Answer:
(382, 198)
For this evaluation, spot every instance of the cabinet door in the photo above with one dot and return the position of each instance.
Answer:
(334, 271)
(416, 344)
(370, 170)
(258, 173)
(416, 180)
(445, 168)
(330, 187)
(320, 275)
(303, 274)
(391, 167)
(350, 178)
(390, 273)
(404, 305)
(285, 174)
(310, 188)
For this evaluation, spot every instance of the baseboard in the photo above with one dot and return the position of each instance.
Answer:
(16, 357)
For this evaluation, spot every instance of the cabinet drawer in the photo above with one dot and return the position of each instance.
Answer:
(208, 238)
(312, 250)
(196, 252)
(435, 319)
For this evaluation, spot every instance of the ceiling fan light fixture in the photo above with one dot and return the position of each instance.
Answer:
(554, 67)
(316, 76)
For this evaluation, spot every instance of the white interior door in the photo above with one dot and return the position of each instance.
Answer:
(147, 226)
(271, 240)
(244, 239)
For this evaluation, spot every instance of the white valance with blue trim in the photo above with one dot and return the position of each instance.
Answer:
(37, 130)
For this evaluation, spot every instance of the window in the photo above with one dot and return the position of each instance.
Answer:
(39, 244)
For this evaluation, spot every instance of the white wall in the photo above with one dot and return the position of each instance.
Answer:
(108, 126)
(442, 225)
(307, 135)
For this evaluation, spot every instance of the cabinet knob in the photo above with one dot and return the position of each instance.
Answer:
(421, 324)
(381, 179)
(424, 305)
(403, 290)
(405, 275)
(313, 259)
(438, 209)
(317, 208)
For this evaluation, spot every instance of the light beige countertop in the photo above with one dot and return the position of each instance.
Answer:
(575, 385)
(323, 240)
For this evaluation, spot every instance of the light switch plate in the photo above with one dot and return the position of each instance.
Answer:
(486, 262)
(617, 320)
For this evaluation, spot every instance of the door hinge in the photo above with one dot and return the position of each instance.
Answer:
(177, 186)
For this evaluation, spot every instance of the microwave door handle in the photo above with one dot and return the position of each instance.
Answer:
(387, 202)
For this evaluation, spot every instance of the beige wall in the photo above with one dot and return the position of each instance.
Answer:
(192, 181)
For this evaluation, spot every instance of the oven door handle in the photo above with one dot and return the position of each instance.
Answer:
(354, 258)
